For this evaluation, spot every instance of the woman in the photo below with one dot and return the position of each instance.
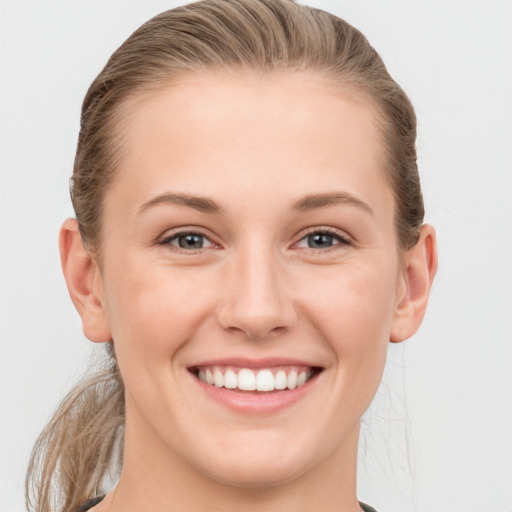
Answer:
(248, 238)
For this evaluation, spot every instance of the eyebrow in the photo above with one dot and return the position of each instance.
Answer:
(202, 204)
(314, 201)
(305, 204)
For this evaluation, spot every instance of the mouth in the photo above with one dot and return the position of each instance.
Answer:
(255, 381)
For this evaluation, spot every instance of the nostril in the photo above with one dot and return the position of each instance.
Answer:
(256, 325)
(259, 332)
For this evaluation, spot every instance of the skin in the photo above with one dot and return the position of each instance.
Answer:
(255, 145)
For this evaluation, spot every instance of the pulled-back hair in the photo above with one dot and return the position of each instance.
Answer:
(78, 447)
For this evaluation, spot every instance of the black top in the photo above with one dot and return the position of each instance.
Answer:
(90, 503)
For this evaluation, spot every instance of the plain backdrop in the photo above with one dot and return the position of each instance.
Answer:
(439, 435)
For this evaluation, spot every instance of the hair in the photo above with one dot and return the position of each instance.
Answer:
(83, 441)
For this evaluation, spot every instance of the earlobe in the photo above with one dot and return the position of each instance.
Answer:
(420, 266)
(84, 282)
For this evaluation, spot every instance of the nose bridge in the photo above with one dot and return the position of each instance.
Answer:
(257, 300)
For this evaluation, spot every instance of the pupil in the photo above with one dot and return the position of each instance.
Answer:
(191, 241)
(319, 240)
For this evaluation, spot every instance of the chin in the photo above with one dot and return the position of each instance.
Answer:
(256, 476)
(262, 469)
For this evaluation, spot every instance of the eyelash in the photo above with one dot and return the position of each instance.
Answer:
(340, 237)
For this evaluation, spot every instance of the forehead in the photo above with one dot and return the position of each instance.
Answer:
(282, 130)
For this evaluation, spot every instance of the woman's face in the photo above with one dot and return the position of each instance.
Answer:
(249, 236)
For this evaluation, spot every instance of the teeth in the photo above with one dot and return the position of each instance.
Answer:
(230, 380)
(248, 380)
(280, 380)
(291, 380)
(265, 381)
(218, 378)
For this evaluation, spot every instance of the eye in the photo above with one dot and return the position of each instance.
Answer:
(188, 241)
(323, 239)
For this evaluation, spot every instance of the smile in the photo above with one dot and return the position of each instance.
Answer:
(263, 380)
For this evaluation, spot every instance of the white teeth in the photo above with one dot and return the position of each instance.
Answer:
(230, 380)
(218, 378)
(246, 380)
(291, 380)
(280, 380)
(249, 380)
(265, 381)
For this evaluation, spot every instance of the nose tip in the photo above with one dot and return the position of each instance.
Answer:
(255, 326)
(256, 316)
(257, 303)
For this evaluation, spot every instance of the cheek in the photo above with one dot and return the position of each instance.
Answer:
(354, 311)
(355, 300)
(155, 310)
(154, 314)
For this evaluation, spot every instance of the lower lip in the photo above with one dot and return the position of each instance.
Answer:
(253, 403)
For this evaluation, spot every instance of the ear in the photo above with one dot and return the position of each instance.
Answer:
(419, 269)
(85, 282)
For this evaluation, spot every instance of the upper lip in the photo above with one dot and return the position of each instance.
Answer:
(255, 364)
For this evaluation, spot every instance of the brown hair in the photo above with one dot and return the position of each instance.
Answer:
(75, 451)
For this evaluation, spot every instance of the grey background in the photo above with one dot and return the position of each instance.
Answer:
(439, 436)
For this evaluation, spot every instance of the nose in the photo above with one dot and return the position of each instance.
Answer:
(256, 298)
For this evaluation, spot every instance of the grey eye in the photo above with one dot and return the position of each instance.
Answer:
(320, 240)
(190, 241)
